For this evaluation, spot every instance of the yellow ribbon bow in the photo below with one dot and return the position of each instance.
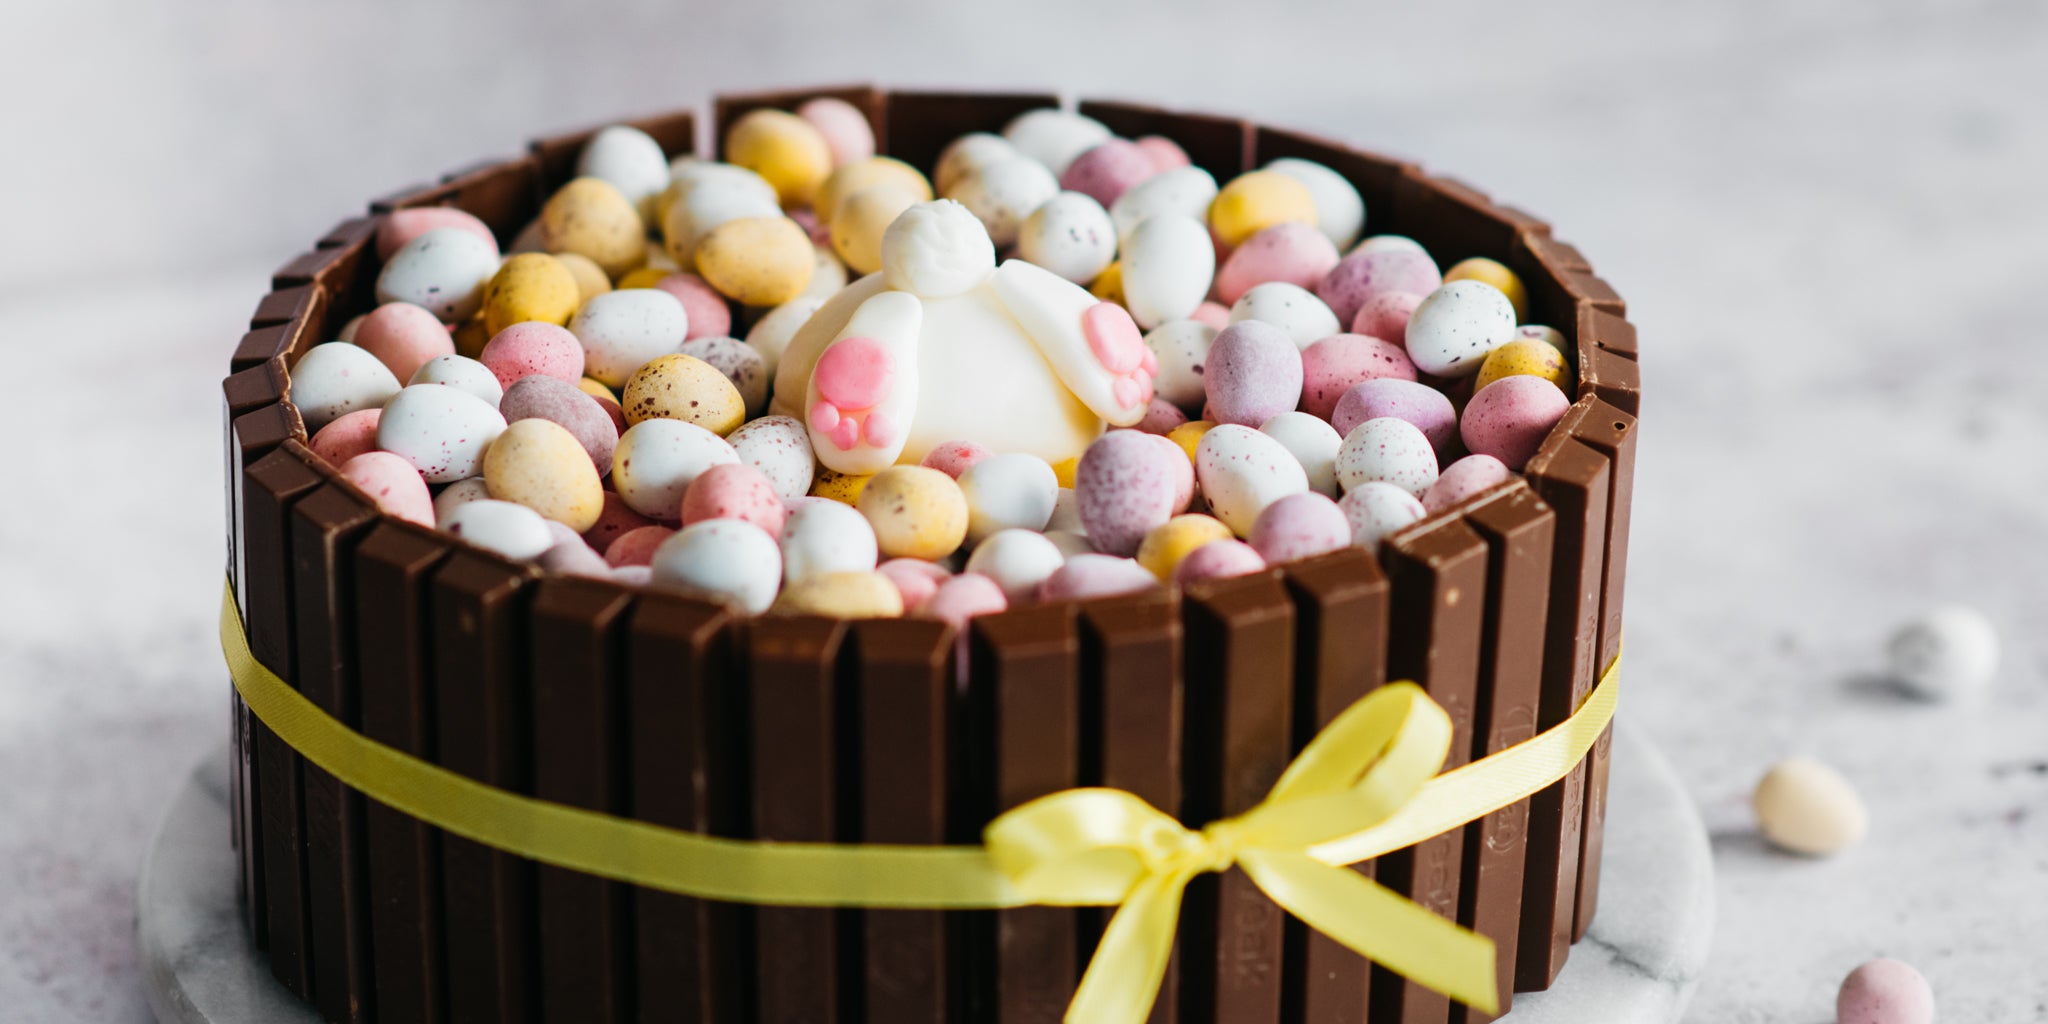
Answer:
(1093, 846)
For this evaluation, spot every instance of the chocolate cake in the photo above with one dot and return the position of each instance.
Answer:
(645, 704)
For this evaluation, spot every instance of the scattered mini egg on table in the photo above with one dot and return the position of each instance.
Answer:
(1884, 991)
(1947, 654)
(1807, 807)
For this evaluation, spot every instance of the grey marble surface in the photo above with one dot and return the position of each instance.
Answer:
(1827, 217)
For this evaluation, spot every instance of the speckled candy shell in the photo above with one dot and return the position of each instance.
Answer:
(1367, 273)
(1124, 486)
(1509, 418)
(1252, 373)
(1428, 409)
(550, 398)
(1334, 365)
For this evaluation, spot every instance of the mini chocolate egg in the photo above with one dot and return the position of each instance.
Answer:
(591, 217)
(772, 334)
(1387, 450)
(391, 482)
(964, 597)
(784, 149)
(1385, 316)
(1018, 560)
(1457, 325)
(1168, 543)
(1218, 560)
(734, 491)
(1376, 509)
(828, 274)
(824, 537)
(636, 547)
(470, 337)
(1054, 138)
(567, 406)
(1509, 418)
(631, 160)
(1291, 308)
(1003, 195)
(1013, 491)
(1181, 348)
(622, 331)
(348, 436)
(1070, 235)
(709, 315)
(1464, 478)
(870, 173)
(1539, 332)
(1124, 486)
(862, 219)
(400, 227)
(1251, 374)
(1427, 408)
(338, 378)
(916, 579)
(1313, 443)
(705, 207)
(1388, 243)
(1300, 526)
(541, 465)
(1189, 436)
(1181, 475)
(1340, 211)
(456, 495)
(590, 278)
(1165, 154)
(1807, 807)
(402, 336)
(757, 261)
(1168, 264)
(844, 488)
(1884, 991)
(1087, 576)
(955, 457)
(1185, 192)
(968, 154)
(686, 388)
(510, 529)
(656, 461)
(1523, 357)
(741, 363)
(1241, 472)
(842, 595)
(443, 271)
(1946, 654)
(844, 128)
(780, 448)
(534, 347)
(355, 323)
(1479, 268)
(723, 560)
(1336, 364)
(444, 432)
(1106, 170)
(1255, 201)
(1071, 543)
(1161, 417)
(1368, 273)
(573, 558)
(917, 512)
(1291, 253)
(463, 374)
(1108, 285)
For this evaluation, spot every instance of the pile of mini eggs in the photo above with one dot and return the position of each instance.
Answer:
(584, 401)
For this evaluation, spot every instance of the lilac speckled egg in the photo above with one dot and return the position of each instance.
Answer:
(1165, 154)
(1251, 374)
(347, 437)
(1385, 316)
(1375, 510)
(1333, 365)
(734, 491)
(614, 519)
(1427, 408)
(1181, 470)
(1300, 526)
(1218, 560)
(709, 316)
(1884, 991)
(1105, 171)
(1293, 252)
(533, 347)
(1214, 314)
(550, 398)
(1457, 325)
(1242, 471)
(403, 337)
(954, 457)
(1509, 418)
(636, 547)
(963, 597)
(1161, 416)
(1126, 484)
(916, 579)
(1387, 450)
(1087, 576)
(391, 482)
(1463, 479)
(1368, 273)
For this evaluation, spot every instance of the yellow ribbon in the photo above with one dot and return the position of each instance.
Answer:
(1364, 787)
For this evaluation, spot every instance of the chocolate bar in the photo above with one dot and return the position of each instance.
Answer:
(1455, 221)
(504, 194)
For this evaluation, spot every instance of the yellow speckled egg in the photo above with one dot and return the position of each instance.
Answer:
(540, 464)
(1109, 285)
(863, 217)
(590, 278)
(591, 217)
(471, 336)
(530, 286)
(784, 149)
(1063, 471)
(866, 174)
(1163, 548)
(917, 512)
(596, 389)
(842, 595)
(758, 261)
(680, 387)
(1523, 357)
(1479, 268)
(1189, 435)
(1256, 201)
(642, 277)
(844, 488)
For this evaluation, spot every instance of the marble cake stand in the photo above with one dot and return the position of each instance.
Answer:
(1638, 965)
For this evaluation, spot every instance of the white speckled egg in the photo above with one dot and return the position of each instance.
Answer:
(1018, 561)
(1003, 195)
(1183, 191)
(780, 447)
(1340, 211)
(1376, 509)
(1014, 491)
(1313, 442)
(458, 494)
(1384, 243)
(631, 160)
(741, 363)
(1290, 307)
(337, 378)
(656, 461)
(1388, 450)
(463, 374)
(968, 154)
(506, 527)
(348, 330)
(771, 334)
(1066, 514)
(1168, 266)
(1054, 137)
(1453, 329)
(728, 560)
(1070, 235)
(1181, 347)
(443, 431)
(621, 331)
(444, 270)
(703, 207)
(1807, 807)
(1242, 471)
(1947, 654)
(823, 536)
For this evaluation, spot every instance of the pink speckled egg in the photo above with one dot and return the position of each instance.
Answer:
(1218, 560)
(1166, 154)
(734, 491)
(549, 398)
(402, 226)
(1300, 526)
(1428, 409)
(1385, 315)
(709, 316)
(1367, 273)
(1293, 252)
(916, 579)
(1463, 479)
(953, 457)
(1161, 416)
(1091, 575)
(393, 483)
(1884, 991)
(350, 435)
(963, 597)
(1387, 450)
(1336, 364)
(848, 136)
(1252, 374)
(533, 347)
(615, 520)
(1215, 314)
(1509, 418)
(1126, 483)
(1181, 471)
(403, 337)
(1377, 509)
(636, 547)
(1107, 169)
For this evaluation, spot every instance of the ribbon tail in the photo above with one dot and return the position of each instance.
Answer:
(1123, 979)
(1379, 924)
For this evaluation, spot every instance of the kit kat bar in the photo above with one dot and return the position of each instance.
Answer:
(579, 715)
(1340, 655)
(919, 125)
(1456, 221)
(303, 302)
(271, 485)
(1374, 175)
(1587, 286)
(1028, 684)
(393, 567)
(688, 772)
(730, 107)
(1573, 480)
(504, 194)
(906, 718)
(1520, 531)
(1611, 376)
(1612, 433)
(1220, 145)
(675, 132)
(795, 685)
(241, 392)
(481, 709)
(1239, 659)
(1437, 574)
(1133, 711)
(1606, 331)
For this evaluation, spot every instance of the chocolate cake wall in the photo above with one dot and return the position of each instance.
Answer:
(639, 703)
